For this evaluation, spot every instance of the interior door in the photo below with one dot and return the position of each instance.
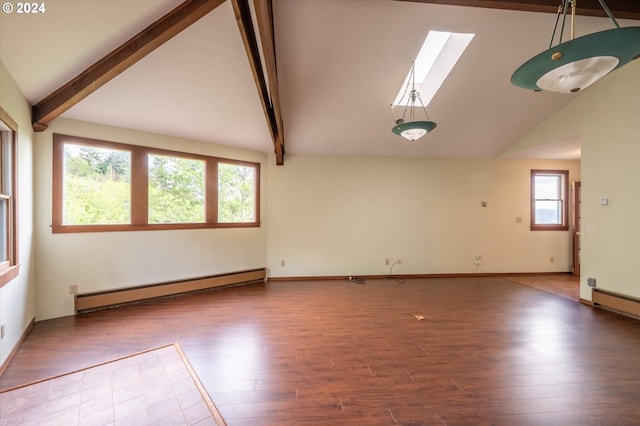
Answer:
(575, 225)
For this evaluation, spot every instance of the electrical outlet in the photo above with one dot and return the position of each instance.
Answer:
(386, 261)
(552, 259)
(73, 289)
(591, 282)
(282, 263)
(1, 331)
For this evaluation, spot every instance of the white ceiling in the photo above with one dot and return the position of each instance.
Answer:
(340, 64)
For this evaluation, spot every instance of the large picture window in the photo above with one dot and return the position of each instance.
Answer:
(106, 186)
(9, 267)
(549, 201)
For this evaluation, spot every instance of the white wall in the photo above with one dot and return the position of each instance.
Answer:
(108, 260)
(17, 298)
(606, 118)
(347, 215)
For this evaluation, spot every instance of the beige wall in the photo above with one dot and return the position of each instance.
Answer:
(347, 215)
(107, 260)
(606, 118)
(17, 298)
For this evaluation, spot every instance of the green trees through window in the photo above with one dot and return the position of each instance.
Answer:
(97, 186)
(236, 193)
(176, 190)
(106, 186)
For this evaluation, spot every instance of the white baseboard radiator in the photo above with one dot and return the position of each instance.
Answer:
(617, 302)
(89, 302)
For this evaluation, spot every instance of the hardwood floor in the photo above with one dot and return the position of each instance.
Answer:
(564, 285)
(488, 351)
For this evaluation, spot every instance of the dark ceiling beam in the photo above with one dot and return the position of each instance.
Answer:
(621, 9)
(119, 60)
(245, 25)
(264, 17)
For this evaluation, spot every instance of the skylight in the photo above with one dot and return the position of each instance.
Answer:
(438, 54)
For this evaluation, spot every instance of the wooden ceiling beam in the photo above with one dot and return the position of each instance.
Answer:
(621, 9)
(268, 98)
(119, 60)
(264, 16)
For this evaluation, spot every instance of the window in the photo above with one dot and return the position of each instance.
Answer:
(107, 186)
(176, 190)
(8, 206)
(96, 185)
(236, 193)
(549, 203)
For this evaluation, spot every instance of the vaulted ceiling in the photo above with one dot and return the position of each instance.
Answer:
(294, 76)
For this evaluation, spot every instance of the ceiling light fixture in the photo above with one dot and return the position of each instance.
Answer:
(578, 63)
(412, 130)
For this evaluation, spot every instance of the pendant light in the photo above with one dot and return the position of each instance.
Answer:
(413, 129)
(576, 64)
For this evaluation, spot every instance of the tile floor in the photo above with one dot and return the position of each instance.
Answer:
(155, 387)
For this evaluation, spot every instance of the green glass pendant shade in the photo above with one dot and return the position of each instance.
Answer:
(578, 63)
(413, 130)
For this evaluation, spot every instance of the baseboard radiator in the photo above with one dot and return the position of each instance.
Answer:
(88, 302)
(617, 302)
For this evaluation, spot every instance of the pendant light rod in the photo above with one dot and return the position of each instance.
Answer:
(555, 27)
(608, 12)
(565, 7)
(573, 19)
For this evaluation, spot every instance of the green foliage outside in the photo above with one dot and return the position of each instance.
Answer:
(97, 189)
(236, 193)
(176, 190)
(96, 186)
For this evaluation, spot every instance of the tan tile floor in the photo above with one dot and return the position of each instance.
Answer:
(157, 387)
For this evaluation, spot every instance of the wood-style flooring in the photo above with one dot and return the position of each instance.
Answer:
(564, 285)
(488, 352)
(148, 388)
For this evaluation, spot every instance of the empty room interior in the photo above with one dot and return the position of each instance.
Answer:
(323, 212)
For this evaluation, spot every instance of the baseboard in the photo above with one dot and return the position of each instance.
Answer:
(616, 302)
(24, 335)
(88, 302)
(406, 276)
(586, 302)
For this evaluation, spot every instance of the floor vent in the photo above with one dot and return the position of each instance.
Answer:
(617, 302)
(88, 302)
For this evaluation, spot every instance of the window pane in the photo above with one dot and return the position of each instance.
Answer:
(6, 167)
(176, 190)
(547, 187)
(96, 186)
(4, 234)
(549, 212)
(236, 193)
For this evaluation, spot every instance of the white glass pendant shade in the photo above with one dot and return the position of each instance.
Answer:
(413, 134)
(578, 75)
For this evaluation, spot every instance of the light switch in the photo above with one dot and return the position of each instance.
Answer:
(604, 201)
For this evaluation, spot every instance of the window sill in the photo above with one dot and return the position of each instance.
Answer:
(549, 227)
(6, 275)
(70, 229)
